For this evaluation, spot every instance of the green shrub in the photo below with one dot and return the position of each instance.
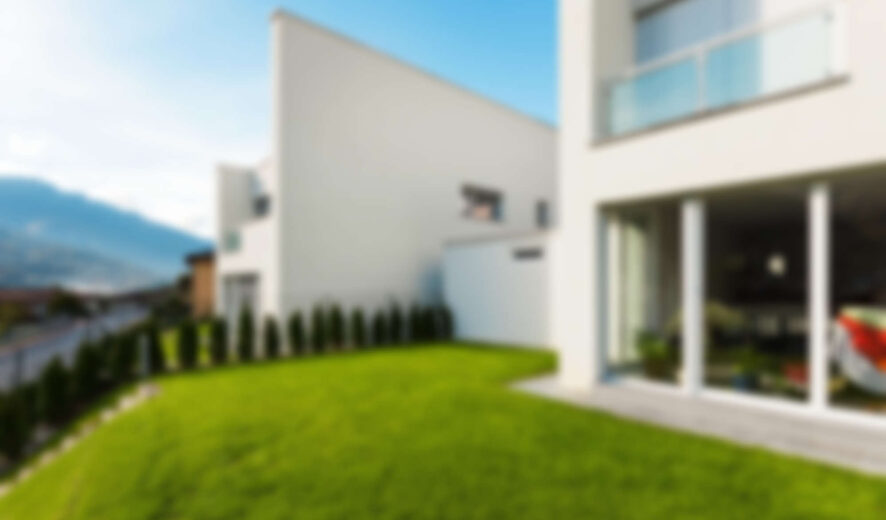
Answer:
(396, 330)
(245, 335)
(319, 336)
(219, 346)
(54, 392)
(122, 357)
(430, 326)
(87, 373)
(296, 332)
(380, 330)
(155, 348)
(336, 326)
(414, 324)
(358, 328)
(188, 344)
(446, 322)
(16, 424)
(272, 338)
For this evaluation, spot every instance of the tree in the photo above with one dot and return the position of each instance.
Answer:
(430, 327)
(219, 348)
(395, 324)
(447, 322)
(16, 430)
(296, 333)
(336, 326)
(246, 335)
(64, 303)
(380, 332)
(156, 359)
(188, 344)
(358, 328)
(319, 336)
(86, 373)
(416, 333)
(54, 394)
(122, 357)
(272, 338)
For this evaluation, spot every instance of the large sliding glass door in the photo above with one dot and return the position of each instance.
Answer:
(644, 284)
(755, 313)
(777, 291)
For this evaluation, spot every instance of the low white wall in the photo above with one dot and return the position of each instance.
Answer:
(498, 289)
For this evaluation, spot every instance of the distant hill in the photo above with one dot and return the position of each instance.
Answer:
(25, 262)
(40, 211)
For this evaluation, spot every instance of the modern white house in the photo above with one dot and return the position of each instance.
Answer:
(722, 203)
(374, 165)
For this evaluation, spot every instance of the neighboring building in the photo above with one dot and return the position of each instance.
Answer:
(373, 165)
(721, 200)
(201, 283)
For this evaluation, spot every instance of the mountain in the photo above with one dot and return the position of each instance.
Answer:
(57, 218)
(25, 262)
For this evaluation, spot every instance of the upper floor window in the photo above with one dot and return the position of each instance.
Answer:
(671, 26)
(482, 204)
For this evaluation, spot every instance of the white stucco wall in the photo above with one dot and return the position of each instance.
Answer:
(497, 297)
(830, 130)
(371, 156)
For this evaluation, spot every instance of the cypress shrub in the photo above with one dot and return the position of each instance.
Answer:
(87, 372)
(318, 329)
(430, 327)
(106, 353)
(245, 335)
(415, 324)
(336, 326)
(272, 338)
(358, 328)
(187, 344)
(156, 358)
(219, 349)
(395, 324)
(17, 425)
(380, 331)
(446, 321)
(122, 360)
(54, 392)
(296, 332)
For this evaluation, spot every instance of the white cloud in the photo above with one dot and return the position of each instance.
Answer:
(69, 116)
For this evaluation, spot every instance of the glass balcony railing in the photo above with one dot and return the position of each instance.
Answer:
(730, 70)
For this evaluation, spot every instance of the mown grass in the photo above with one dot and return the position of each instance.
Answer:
(404, 433)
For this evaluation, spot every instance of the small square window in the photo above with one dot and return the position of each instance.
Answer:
(482, 204)
(542, 218)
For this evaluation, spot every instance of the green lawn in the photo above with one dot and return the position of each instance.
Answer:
(169, 345)
(413, 433)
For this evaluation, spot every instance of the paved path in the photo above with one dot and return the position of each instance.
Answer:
(61, 340)
(858, 447)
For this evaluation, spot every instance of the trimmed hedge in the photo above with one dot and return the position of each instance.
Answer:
(380, 330)
(156, 359)
(336, 327)
(272, 338)
(319, 336)
(296, 333)
(358, 328)
(54, 392)
(218, 349)
(396, 329)
(17, 424)
(414, 324)
(246, 335)
(188, 345)
(86, 376)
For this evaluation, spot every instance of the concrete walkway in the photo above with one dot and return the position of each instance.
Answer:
(857, 447)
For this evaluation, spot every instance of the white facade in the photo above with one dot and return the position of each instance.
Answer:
(499, 289)
(369, 161)
(814, 115)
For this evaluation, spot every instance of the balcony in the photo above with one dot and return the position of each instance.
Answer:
(765, 60)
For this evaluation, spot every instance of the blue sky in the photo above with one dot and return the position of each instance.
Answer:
(134, 102)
